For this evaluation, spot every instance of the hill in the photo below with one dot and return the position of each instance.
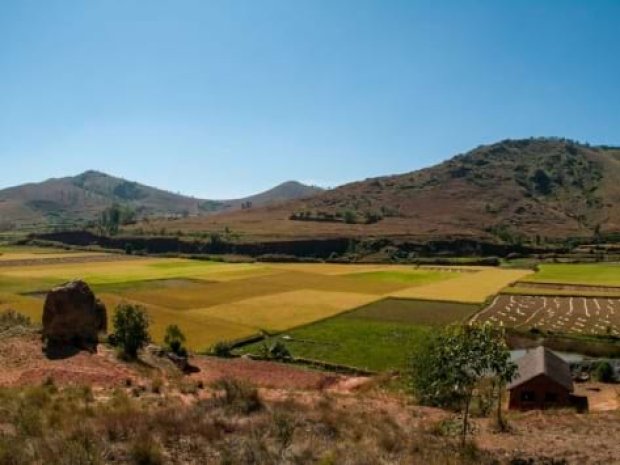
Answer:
(81, 198)
(545, 187)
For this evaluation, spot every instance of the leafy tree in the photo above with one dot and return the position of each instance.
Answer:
(114, 216)
(449, 365)
(542, 182)
(604, 372)
(131, 329)
(350, 217)
(174, 340)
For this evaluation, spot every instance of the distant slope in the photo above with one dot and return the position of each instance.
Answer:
(83, 197)
(535, 187)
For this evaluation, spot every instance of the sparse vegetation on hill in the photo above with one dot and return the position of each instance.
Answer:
(530, 191)
(79, 201)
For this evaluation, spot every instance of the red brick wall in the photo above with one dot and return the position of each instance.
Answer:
(540, 386)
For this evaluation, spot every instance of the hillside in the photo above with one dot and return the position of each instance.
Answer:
(83, 197)
(534, 187)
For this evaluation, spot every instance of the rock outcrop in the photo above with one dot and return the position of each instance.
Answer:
(73, 315)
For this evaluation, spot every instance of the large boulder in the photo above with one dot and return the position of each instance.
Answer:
(73, 315)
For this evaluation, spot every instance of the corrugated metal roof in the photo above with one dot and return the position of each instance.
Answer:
(542, 361)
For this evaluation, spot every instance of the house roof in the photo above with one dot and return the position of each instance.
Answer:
(541, 361)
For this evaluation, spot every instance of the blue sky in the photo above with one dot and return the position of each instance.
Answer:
(220, 99)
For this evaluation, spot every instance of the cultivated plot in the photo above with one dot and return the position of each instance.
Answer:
(603, 274)
(581, 315)
(211, 301)
(378, 336)
(467, 287)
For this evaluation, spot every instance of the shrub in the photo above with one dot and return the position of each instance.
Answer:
(131, 329)
(145, 451)
(275, 351)
(10, 319)
(604, 372)
(239, 396)
(174, 340)
(221, 349)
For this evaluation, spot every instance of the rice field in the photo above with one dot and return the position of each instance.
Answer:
(210, 301)
(472, 287)
(378, 336)
(578, 315)
(603, 274)
(378, 306)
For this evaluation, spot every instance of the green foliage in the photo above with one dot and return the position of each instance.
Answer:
(221, 349)
(114, 216)
(131, 329)
(542, 182)
(446, 369)
(604, 372)
(174, 340)
(349, 217)
(276, 350)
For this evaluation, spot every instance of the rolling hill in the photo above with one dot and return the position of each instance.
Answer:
(81, 198)
(547, 187)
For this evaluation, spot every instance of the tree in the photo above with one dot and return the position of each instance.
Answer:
(350, 217)
(604, 372)
(448, 366)
(542, 182)
(174, 340)
(131, 329)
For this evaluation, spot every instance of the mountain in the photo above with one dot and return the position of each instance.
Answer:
(545, 187)
(81, 198)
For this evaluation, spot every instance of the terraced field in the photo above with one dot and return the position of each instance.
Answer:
(581, 315)
(563, 298)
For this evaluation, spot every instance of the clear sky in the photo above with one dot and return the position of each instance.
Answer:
(221, 99)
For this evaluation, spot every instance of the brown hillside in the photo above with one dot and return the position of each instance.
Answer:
(81, 198)
(547, 187)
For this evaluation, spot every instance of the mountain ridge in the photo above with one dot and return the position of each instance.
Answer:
(538, 187)
(82, 197)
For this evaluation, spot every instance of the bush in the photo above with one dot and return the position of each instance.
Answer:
(240, 397)
(10, 317)
(174, 340)
(604, 372)
(275, 351)
(131, 329)
(222, 349)
(145, 451)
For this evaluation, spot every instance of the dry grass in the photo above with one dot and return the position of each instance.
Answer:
(468, 287)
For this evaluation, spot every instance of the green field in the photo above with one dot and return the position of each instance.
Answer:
(209, 301)
(379, 336)
(603, 274)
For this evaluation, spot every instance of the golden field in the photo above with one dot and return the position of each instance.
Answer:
(467, 288)
(210, 301)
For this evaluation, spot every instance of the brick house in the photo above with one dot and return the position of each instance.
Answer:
(543, 381)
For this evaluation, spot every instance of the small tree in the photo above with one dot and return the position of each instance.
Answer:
(131, 329)
(448, 367)
(174, 340)
(604, 372)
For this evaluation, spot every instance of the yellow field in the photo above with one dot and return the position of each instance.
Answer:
(278, 312)
(467, 288)
(213, 301)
